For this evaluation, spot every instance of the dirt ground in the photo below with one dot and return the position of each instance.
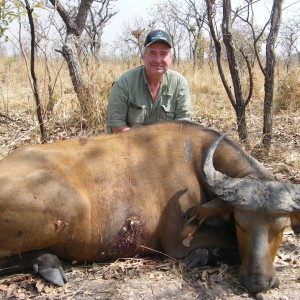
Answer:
(159, 277)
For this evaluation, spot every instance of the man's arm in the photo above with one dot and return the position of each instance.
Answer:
(184, 102)
(117, 109)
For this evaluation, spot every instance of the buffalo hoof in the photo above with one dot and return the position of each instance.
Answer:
(196, 258)
(49, 267)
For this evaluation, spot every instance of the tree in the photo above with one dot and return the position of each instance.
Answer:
(239, 103)
(269, 72)
(270, 61)
(236, 97)
(33, 75)
(9, 11)
(43, 45)
(98, 17)
(75, 25)
(192, 16)
(133, 36)
(289, 41)
(166, 20)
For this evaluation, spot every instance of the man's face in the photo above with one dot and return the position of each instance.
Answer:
(157, 58)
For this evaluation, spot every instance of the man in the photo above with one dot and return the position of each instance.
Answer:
(150, 92)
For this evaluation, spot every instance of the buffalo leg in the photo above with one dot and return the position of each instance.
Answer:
(49, 267)
(46, 264)
(212, 256)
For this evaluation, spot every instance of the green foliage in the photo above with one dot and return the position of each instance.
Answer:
(11, 10)
(9, 61)
(192, 27)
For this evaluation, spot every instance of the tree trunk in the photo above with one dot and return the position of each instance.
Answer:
(70, 54)
(34, 79)
(236, 97)
(241, 123)
(240, 104)
(270, 71)
(75, 27)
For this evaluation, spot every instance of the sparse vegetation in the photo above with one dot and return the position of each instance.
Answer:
(143, 278)
(210, 104)
(288, 92)
(18, 126)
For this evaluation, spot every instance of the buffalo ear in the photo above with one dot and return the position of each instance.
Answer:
(214, 208)
(295, 222)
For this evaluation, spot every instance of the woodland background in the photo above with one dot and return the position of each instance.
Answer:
(55, 78)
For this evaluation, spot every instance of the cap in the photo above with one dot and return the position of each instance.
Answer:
(157, 35)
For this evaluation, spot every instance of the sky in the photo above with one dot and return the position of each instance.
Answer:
(128, 9)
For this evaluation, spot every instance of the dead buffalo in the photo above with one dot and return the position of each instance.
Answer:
(167, 186)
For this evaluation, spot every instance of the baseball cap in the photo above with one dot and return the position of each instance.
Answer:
(157, 35)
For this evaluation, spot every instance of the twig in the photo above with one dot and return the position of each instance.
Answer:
(7, 117)
(156, 251)
(74, 293)
(152, 291)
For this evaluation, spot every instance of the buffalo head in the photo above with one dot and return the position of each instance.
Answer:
(261, 212)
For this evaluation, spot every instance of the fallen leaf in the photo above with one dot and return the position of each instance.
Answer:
(3, 287)
(39, 285)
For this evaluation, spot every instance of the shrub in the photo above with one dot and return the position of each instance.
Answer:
(288, 92)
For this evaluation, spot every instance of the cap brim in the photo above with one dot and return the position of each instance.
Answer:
(158, 40)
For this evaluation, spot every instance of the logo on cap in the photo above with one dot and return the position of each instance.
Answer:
(159, 36)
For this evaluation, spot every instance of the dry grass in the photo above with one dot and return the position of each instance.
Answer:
(144, 278)
(209, 97)
(288, 91)
(210, 103)
(155, 278)
(211, 106)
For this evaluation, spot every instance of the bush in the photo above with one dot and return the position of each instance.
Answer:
(288, 92)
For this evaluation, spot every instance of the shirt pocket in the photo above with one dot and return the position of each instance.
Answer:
(167, 112)
(136, 113)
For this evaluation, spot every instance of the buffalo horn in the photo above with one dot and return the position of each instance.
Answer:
(250, 192)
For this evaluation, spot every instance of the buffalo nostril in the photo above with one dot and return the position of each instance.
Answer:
(257, 284)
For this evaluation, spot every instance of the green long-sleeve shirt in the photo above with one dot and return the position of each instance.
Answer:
(130, 100)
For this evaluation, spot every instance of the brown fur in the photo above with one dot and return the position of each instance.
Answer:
(107, 196)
